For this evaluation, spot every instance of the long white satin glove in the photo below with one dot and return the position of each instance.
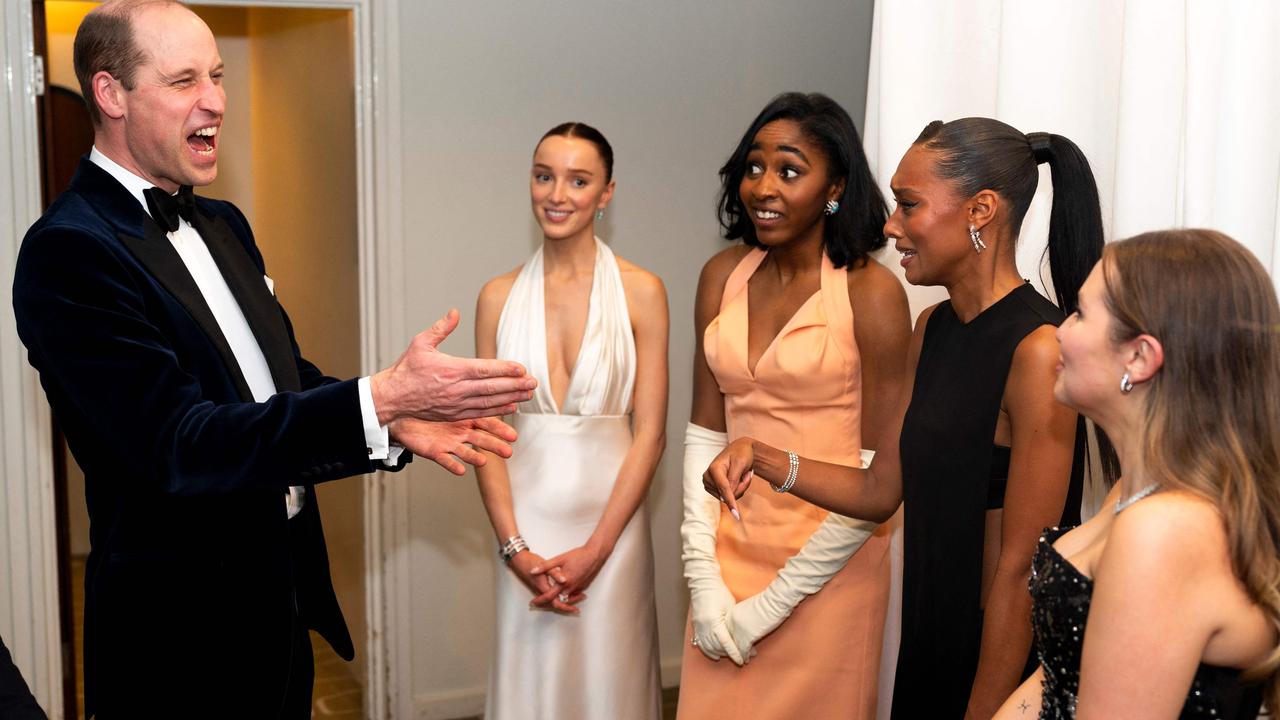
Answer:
(825, 553)
(709, 599)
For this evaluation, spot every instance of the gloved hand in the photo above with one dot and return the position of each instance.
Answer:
(825, 553)
(709, 599)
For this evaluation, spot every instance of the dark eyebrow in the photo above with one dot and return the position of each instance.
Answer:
(793, 150)
(781, 148)
(576, 171)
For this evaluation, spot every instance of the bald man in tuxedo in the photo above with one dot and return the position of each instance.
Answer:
(182, 392)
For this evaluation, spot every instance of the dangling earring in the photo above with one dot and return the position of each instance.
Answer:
(832, 207)
(975, 236)
(1125, 384)
(600, 214)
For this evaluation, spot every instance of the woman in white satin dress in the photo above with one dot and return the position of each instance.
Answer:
(576, 623)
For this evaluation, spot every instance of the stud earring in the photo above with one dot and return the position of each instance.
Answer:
(1125, 384)
(833, 206)
(975, 236)
(600, 214)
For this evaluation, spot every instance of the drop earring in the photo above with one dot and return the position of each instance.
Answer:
(975, 236)
(600, 214)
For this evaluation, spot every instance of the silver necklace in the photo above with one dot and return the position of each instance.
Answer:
(1122, 504)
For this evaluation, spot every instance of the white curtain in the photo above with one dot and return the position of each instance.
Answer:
(1176, 103)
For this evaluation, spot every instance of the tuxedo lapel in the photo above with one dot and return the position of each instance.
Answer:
(259, 306)
(162, 260)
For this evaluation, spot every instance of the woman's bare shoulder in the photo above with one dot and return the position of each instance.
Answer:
(493, 294)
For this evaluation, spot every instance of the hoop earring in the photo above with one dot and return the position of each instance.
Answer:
(832, 207)
(1125, 384)
(600, 214)
(975, 236)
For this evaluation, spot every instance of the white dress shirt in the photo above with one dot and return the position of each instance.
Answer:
(226, 311)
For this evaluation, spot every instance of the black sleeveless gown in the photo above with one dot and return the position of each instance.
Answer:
(1060, 596)
(946, 448)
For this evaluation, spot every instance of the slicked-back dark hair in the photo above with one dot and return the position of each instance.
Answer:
(985, 154)
(591, 135)
(857, 229)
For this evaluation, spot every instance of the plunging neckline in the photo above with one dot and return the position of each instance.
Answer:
(746, 288)
(751, 371)
(601, 378)
(556, 405)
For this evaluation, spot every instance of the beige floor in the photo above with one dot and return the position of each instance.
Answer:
(338, 693)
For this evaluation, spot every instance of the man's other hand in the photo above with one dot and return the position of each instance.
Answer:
(447, 443)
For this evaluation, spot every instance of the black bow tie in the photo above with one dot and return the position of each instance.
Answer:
(166, 209)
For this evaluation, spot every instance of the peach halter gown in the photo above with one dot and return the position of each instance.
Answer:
(806, 396)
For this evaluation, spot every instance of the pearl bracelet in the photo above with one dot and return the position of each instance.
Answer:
(793, 469)
(512, 547)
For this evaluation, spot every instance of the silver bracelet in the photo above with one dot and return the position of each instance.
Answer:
(512, 547)
(793, 469)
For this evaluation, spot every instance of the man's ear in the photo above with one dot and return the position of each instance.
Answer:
(109, 94)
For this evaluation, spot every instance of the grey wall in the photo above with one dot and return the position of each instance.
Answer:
(672, 85)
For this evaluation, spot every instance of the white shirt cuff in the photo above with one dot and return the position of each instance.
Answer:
(376, 437)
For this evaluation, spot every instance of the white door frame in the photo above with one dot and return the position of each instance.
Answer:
(29, 621)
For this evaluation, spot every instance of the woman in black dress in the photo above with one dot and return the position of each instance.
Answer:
(987, 457)
(1175, 352)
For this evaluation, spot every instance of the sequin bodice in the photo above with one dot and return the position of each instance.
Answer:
(1060, 596)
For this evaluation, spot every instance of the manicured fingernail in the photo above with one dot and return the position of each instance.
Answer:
(735, 514)
(535, 569)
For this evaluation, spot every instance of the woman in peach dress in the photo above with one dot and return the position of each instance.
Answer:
(788, 601)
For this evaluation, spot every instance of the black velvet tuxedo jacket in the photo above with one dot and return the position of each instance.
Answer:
(196, 577)
(16, 701)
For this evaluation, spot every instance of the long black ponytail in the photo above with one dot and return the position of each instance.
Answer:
(986, 154)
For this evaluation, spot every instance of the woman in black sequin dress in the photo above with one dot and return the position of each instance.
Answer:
(1167, 603)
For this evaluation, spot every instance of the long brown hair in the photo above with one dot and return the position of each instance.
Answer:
(1212, 415)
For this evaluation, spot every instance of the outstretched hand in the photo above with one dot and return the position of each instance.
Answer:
(729, 474)
(427, 384)
(449, 444)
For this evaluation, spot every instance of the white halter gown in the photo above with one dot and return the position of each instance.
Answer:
(602, 663)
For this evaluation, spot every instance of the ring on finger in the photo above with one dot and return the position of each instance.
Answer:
(563, 597)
